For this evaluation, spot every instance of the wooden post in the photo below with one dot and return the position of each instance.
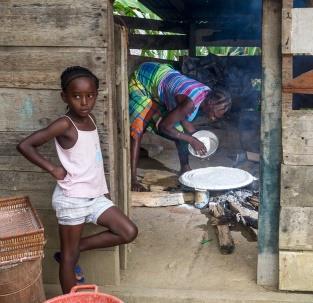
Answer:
(192, 40)
(270, 144)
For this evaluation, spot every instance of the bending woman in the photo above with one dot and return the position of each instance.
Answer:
(165, 102)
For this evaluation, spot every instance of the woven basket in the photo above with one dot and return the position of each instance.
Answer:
(21, 231)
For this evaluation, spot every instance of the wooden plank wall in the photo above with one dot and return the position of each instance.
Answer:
(38, 40)
(296, 215)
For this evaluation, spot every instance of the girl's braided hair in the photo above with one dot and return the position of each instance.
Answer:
(73, 72)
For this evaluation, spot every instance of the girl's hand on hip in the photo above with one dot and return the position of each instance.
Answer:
(59, 173)
(198, 146)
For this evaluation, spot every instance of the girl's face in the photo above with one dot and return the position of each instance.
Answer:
(80, 95)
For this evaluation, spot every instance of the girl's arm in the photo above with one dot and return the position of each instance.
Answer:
(167, 125)
(28, 147)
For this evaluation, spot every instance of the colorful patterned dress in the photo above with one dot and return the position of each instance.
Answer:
(152, 91)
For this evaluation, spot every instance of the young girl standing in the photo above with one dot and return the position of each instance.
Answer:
(81, 193)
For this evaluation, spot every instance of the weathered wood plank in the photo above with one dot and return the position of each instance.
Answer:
(13, 180)
(287, 75)
(297, 138)
(27, 181)
(298, 36)
(23, 110)
(286, 30)
(295, 228)
(271, 144)
(53, 23)
(123, 154)
(9, 163)
(287, 3)
(302, 84)
(111, 138)
(160, 198)
(295, 271)
(158, 41)
(9, 140)
(39, 199)
(41, 68)
(296, 186)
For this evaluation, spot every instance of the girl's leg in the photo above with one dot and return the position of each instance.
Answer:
(69, 241)
(121, 230)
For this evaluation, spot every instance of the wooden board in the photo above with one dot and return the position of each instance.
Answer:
(38, 199)
(160, 198)
(286, 30)
(287, 75)
(297, 29)
(162, 179)
(123, 154)
(14, 180)
(24, 109)
(9, 140)
(41, 68)
(53, 23)
(303, 84)
(296, 186)
(297, 138)
(21, 181)
(295, 228)
(19, 163)
(295, 271)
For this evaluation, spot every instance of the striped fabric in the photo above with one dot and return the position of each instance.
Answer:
(152, 91)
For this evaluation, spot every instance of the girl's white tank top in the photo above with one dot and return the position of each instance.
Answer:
(84, 165)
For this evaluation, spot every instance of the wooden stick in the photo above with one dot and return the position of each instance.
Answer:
(225, 239)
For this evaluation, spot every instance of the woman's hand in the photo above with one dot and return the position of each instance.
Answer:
(198, 146)
(59, 173)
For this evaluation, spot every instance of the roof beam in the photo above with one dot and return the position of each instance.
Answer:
(150, 24)
(178, 5)
(158, 42)
(164, 13)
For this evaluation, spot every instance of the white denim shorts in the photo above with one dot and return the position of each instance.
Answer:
(74, 211)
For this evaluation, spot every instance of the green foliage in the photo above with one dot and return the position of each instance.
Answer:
(133, 8)
(228, 51)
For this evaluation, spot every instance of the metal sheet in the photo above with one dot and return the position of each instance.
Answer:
(216, 178)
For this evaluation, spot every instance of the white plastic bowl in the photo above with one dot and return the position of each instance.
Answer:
(210, 141)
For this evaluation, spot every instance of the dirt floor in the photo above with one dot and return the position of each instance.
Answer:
(178, 247)
(176, 256)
